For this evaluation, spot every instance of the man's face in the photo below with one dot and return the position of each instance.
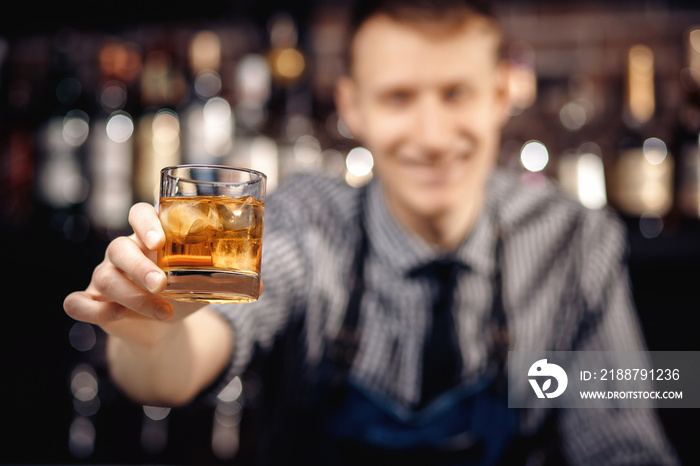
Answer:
(429, 103)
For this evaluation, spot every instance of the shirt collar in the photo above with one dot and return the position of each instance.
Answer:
(405, 251)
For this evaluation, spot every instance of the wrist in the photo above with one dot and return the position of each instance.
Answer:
(139, 329)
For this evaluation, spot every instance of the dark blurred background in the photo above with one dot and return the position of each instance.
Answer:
(95, 97)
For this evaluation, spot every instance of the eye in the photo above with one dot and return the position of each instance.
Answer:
(397, 98)
(456, 93)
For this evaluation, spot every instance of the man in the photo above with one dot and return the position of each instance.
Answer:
(382, 362)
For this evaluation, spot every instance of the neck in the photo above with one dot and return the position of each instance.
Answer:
(445, 229)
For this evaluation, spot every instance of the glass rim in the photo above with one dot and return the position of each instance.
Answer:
(165, 172)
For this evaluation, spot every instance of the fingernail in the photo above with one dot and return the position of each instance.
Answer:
(119, 313)
(153, 280)
(163, 313)
(151, 239)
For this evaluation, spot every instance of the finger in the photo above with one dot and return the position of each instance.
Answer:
(82, 306)
(127, 256)
(143, 218)
(111, 284)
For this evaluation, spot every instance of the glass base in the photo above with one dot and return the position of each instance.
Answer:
(220, 286)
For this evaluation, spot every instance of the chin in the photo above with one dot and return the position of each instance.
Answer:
(434, 202)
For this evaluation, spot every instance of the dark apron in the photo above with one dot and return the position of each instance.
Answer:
(469, 424)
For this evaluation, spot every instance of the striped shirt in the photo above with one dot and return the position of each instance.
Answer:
(550, 244)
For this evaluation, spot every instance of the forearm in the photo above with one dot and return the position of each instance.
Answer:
(169, 362)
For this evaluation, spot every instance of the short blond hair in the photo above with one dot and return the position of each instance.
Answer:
(448, 14)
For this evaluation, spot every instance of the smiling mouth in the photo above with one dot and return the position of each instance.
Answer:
(435, 168)
(435, 163)
(436, 172)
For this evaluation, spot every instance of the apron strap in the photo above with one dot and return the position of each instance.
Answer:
(342, 349)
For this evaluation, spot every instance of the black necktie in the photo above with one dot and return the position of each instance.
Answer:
(442, 360)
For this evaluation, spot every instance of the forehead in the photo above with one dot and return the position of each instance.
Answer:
(385, 50)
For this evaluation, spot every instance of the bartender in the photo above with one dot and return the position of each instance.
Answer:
(388, 310)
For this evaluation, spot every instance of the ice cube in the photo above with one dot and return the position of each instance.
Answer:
(230, 252)
(237, 214)
(190, 221)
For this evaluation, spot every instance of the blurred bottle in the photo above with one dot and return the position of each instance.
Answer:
(110, 147)
(208, 128)
(689, 179)
(158, 146)
(16, 143)
(582, 174)
(640, 98)
(158, 129)
(292, 99)
(688, 130)
(62, 183)
(287, 62)
(692, 48)
(642, 176)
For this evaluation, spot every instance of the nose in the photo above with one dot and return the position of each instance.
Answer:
(432, 130)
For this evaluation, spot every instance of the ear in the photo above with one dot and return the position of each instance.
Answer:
(346, 102)
(503, 95)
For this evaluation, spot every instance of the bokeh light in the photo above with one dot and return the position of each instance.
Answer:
(113, 96)
(650, 225)
(156, 413)
(82, 336)
(207, 84)
(534, 156)
(84, 383)
(81, 437)
(76, 127)
(655, 150)
(359, 162)
(120, 127)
